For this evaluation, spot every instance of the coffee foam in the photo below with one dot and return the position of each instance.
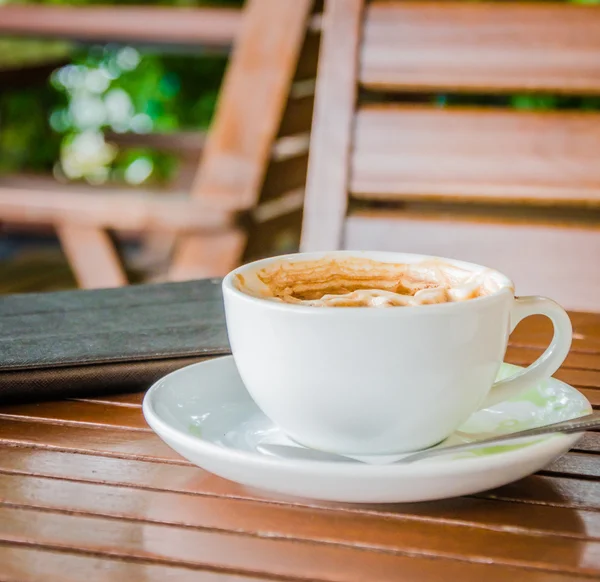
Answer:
(358, 282)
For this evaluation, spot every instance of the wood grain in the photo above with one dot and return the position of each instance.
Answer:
(326, 186)
(126, 444)
(21, 563)
(212, 504)
(78, 413)
(520, 250)
(403, 152)
(83, 484)
(481, 47)
(580, 378)
(234, 552)
(445, 536)
(148, 24)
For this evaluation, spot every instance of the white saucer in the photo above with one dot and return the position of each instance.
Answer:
(205, 413)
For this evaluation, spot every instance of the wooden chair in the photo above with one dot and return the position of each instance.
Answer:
(519, 190)
(251, 157)
(252, 162)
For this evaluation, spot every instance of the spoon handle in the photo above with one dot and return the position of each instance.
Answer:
(580, 424)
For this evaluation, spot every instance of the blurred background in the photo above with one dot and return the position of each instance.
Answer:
(78, 110)
(98, 114)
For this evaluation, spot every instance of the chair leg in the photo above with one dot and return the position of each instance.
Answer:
(92, 256)
(207, 255)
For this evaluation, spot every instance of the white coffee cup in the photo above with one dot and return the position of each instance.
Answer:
(360, 380)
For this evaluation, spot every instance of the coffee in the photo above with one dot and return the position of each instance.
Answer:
(360, 282)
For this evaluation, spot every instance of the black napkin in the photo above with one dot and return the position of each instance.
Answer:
(81, 343)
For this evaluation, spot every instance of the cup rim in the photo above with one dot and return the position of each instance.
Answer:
(229, 287)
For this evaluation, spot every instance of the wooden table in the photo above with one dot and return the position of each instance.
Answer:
(88, 492)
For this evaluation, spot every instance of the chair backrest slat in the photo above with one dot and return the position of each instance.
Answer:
(481, 46)
(403, 152)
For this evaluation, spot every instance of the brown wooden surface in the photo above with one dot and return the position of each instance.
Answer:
(207, 255)
(88, 491)
(92, 256)
(482, 46)
(216, 26)
(120, 210)
(402, 153)
(327, 180)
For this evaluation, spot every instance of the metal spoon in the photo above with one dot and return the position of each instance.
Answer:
(580, 424)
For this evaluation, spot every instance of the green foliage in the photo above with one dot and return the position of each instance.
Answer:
(26, 139)
(549, 102)
(118, 89)
(16, 53)
(106, 88)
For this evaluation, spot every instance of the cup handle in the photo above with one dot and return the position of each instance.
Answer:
(549, 361)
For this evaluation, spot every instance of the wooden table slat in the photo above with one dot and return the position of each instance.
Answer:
(536, 331)
(580, 464)
(589, 443)
(524, 356)
(79, 413)
(24, 563)
(549, 490)
(425, 527)
(116, 443)
(273, 557)
(559, 492)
